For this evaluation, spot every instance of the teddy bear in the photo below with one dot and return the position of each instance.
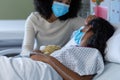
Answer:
(49, 49)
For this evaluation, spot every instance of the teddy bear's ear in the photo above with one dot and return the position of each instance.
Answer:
(42, 48)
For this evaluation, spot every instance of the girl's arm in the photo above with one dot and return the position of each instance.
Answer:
(65, 73)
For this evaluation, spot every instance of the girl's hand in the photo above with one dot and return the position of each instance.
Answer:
(41, 57)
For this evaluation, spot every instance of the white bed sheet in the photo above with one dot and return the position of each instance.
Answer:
(26, 69)
(111, 72)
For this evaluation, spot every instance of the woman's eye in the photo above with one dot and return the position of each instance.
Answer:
(60, 1)
(63, 2)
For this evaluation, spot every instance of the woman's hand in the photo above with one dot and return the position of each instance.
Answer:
(41, 57)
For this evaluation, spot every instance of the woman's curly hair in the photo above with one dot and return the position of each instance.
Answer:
(45, 10)
(102, 30)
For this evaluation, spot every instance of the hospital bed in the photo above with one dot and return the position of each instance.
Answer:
(11, 36)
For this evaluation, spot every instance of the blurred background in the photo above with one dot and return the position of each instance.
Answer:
(15, 9)
(20, 9)
(85, 8)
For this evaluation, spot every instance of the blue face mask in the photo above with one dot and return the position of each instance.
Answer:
(78, 35)
(60, 9)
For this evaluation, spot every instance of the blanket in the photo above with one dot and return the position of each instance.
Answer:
(22, 68)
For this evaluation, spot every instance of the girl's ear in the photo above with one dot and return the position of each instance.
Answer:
(85, 38)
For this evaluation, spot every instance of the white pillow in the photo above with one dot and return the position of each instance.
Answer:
(113, 48)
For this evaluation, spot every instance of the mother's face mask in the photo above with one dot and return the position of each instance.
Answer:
(60, 9)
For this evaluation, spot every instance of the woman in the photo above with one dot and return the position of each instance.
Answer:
(51, 24)
(96, 37)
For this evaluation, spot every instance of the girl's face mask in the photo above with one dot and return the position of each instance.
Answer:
(78, 35)
(60, 9)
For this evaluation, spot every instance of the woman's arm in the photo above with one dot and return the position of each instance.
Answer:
(65, 73)
(29, 36)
